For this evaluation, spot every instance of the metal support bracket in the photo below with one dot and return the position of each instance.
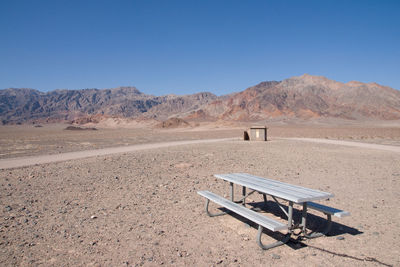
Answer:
(280, 206)
(284, 240)
(242, 200)
(211, 214)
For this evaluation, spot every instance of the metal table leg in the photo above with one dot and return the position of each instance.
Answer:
(304, 223)
(265, 199)
(244, 195)
(231, 184)
(290, 216)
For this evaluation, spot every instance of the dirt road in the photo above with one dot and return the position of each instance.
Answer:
(33, 160)
(349, 143)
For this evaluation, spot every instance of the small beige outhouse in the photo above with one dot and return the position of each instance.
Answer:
(257, 133)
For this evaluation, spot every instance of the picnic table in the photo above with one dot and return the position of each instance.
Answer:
(292, 194)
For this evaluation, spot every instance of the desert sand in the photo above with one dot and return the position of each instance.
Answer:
(140, 208)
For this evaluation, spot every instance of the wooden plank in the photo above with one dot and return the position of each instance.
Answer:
(328, 210)
(262, 220)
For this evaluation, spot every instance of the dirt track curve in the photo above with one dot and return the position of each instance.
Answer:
(42, 159)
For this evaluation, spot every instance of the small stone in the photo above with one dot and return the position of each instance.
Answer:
(8, 208)
(375, 233)
(93, 217)
(314, 254)
(340, 238)
(220, 261)
(374, 206)
(275, 256)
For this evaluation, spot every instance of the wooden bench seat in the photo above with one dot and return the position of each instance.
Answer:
(327, 210)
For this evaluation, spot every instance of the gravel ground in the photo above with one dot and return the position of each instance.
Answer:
(27, 140)
(142, 209)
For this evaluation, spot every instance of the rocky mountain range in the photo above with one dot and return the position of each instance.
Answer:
(303, 97)
(307, 97)
(21, 105)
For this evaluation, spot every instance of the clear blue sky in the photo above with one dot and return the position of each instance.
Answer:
(188, 46)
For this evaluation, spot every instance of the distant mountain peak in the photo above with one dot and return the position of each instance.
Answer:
(127, 89)
(354, 83)
(312, 78)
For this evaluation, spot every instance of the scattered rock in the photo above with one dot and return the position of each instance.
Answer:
(173, 123)
(183, 165)
(77, 128)
(275, 256)
(340, 238)
(8, 208)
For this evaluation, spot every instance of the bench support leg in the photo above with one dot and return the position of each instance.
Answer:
(304, 218)
(244, 195)
(290, 216)
(304, 223)
(232, 189)
(211, 214)
(265, 199)
(275, 244)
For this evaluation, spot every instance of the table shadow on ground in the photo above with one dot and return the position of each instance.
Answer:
(315, 223)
